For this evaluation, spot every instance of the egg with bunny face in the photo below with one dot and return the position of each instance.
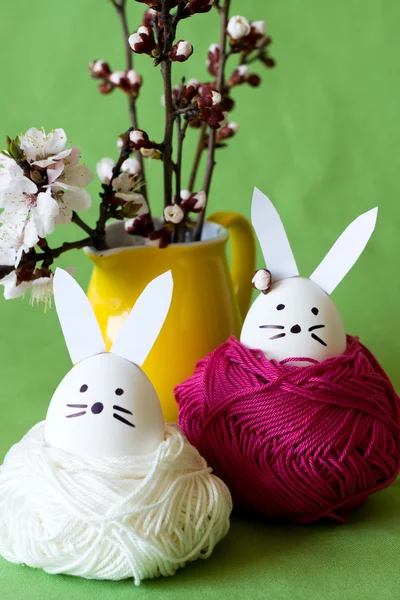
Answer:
(106, 407)
(295, 316)
(295, 319)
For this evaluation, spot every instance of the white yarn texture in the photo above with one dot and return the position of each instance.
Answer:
(99, 520)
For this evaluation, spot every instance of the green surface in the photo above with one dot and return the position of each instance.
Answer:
(321, 137)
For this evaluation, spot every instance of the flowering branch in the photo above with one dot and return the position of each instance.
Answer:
(219, 84)
(168, 37)
(99, 235)
(121, 10)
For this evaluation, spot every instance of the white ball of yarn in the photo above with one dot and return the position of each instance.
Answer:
(138, 516)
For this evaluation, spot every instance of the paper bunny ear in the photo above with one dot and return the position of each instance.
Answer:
(272, 236)
(345, 252)
(143, 325)
(78, 322)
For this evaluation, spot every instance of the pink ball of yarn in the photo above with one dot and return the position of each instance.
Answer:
(298, 443)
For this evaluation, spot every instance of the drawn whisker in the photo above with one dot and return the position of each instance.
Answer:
(77, 405)
(318, 339)
(124, 410)
(316, 327)
(76, 414)
(123, 420)
(277, 336)
(272, 327)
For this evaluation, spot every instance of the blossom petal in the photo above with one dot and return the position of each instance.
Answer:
(33, 143)
(52, 159)
(56, 141)
(31, 237)
(78, 175)
(65, 214)
(7, 257)
(45, 213)
(77, 198)
(11, 289)
(54, 171)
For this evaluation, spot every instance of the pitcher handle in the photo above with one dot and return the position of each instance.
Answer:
(243, 255)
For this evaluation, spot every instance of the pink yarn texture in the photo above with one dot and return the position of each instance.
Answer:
(298, 443)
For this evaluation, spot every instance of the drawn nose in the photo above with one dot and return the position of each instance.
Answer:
(97, 408)
(295, 329)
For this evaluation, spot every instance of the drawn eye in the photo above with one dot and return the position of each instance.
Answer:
(314, 311)
(280, 307)
(119, 391)
(84, 388)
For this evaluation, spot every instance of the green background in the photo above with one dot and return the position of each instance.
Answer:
(321, 138)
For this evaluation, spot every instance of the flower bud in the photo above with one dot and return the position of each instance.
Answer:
(212, 63)
(140, 225)
(216, 98)
(116, 77)
(210, 99)
(139, 139)
(148, 17)
(268, 62)
(185, 195)
(200, 201)
(104, 169)
(214, 118)
(127, 81)
(193, 202)
(228, 131)
(174, 214)
(239, 75)
(181, 51)
(142, 42)
(258, 27)
(131, 166)
(254, 80)
(197, 6)
(106, 87)
(262, 280)
(238, 28)
(100, 69)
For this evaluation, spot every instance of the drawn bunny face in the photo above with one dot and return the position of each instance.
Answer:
(297, 318)
(106, 406)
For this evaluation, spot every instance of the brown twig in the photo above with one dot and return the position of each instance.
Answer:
(180, 229)
(199, 153)
(56, 252)
(121, 10)
(99, 234)
(169, 32)
(219, 85)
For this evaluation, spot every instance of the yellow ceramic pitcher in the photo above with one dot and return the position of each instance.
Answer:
(208, 305)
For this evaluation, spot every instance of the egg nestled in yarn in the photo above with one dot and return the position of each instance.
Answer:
(299, 420)
(104, 489)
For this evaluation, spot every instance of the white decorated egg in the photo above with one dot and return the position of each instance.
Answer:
(296, 318)
(105, 407)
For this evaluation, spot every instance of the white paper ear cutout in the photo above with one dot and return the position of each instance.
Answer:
(345, 252)
(78, 322)
(272, 236)
(143, 325)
